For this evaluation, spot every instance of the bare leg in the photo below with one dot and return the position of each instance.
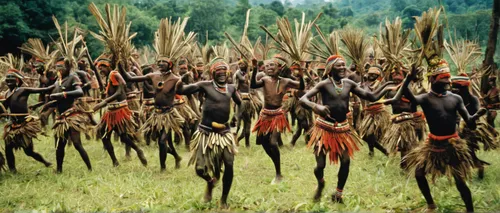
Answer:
(423, 185)
(106, 141)
(343, 174)
(319, 173)
(29, 151)
(126, 139)
(162, 146)
(11, 159)
(172, 151)
(60, 154)
(464, 193)
(271, 148)
(77, 143)
(227, 180)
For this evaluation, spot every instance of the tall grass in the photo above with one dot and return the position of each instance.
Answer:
(375, 184)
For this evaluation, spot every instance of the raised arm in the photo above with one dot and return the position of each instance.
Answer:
(189, 89)
(370, 96)
(254, 83)
(300, 85)
(130, 78)
(31, 90)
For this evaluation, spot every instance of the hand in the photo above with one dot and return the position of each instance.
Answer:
(321, 110)
(99, 106)
(480, 113)
(56, 96)
(254, 62)
(414, 71)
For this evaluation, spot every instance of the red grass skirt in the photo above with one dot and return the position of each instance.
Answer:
(119, 120)
(271, 121)
(334, 138)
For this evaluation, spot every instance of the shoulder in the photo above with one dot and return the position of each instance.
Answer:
(75, 78)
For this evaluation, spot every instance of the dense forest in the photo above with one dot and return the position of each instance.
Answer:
(25, 19)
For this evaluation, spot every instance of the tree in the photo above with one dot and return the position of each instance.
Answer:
(207, 15)
(239, 14)
(277, 7)
(492, 44)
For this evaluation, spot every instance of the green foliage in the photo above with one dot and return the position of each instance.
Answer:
(374, 185)
(32, 18)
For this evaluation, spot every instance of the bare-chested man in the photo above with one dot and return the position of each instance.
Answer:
(165, 117)
(332, 134)
(272, 120)
(445, 153)
(376, 118)
(492, 100)
(71, 119)
(22, 128)
(118, 118)
(246, 111)
(213, 144)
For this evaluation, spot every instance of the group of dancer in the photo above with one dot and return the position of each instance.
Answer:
(184, 96)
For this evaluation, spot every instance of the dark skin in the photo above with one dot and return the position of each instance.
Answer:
(370, 85)
(243, 86)
(334, 109)
(132, 92)
(400, 106)
(65, 93)
(116, 94)
(441, 115)
(17, 101)
(472, 105)
(492, 101)
(304, 124)
(216, 109)
(273, 98)
(148, 91)
(189, 127)
(164, 84)
(47, 78)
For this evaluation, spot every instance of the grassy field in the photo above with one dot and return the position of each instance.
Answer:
(375, 184)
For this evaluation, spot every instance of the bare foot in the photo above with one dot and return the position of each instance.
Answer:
(319, 190)
(431, 208)
(209, 189)
(178, 162)
(337, 198)
(277, 180)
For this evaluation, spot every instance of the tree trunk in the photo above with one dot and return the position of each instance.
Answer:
(490, 49)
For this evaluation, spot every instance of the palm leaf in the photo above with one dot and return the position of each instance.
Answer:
(356, 46)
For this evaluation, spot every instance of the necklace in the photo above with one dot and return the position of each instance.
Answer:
(220, 89)
(438, 94)
(338, 89)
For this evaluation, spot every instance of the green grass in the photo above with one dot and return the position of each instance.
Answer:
(375, 184)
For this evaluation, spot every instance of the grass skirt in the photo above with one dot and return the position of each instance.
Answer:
(208, 147)
(21, 135)
(375, 122)
(270, 121)
(119, 120)
(162, 121)
(247, 110)
(186, 113)
(404, 133)
(76, 121)
(441, 155)
(334, 139)
(484, 133)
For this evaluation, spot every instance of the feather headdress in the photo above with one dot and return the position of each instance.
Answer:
(170, 39)
(294, 43)
(356, 46)
(325, 46)
(114, 31)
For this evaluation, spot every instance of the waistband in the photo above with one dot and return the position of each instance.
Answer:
(118, 105)
(378, 107)
(335, 127)
(278, 111)
(406, 116)
(149, 101)
(163, 109)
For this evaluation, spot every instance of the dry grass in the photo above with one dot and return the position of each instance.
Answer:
(375, 184)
